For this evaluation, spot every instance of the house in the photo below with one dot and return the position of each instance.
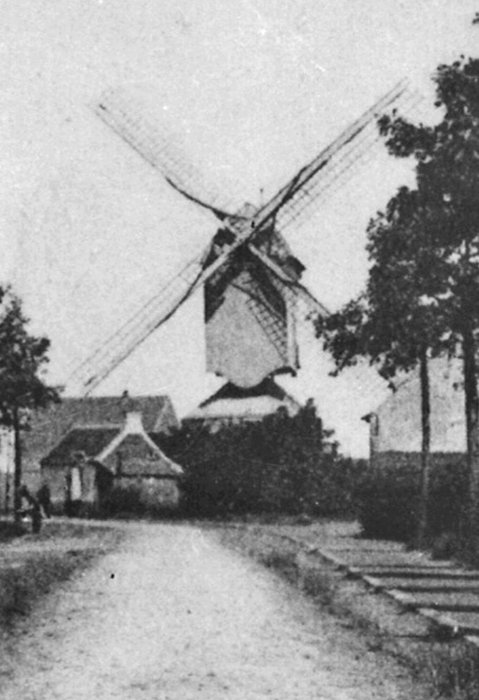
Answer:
(91, 460)
(232, 405)
(48, 426)
(395, 426)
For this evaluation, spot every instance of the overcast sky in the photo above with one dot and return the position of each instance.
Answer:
(252, 90)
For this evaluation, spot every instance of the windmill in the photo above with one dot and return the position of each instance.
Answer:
(254, 298)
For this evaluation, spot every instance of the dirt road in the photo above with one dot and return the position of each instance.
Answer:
(172, 615)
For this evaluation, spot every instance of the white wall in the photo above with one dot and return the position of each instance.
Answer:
(399, 417)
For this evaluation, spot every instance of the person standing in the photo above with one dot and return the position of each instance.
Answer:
(33, 509)
(44, 498)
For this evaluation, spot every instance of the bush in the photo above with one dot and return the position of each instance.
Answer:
(388, 504)
(133, 500)
(10, 530)
(278, 465)
(389, 500)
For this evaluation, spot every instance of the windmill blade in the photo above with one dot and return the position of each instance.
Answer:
(343, 166)
(290, 287)
(115, 110)
(164, 304)
(131, 120)
(119, 345)
(271, 321)
(159, 309)
(312, 169)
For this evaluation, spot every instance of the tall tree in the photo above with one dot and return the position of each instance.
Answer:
(22, 358)
(447, 169)
(399, 321)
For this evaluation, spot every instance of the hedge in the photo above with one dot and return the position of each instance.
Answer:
(388, 500)
(277, 465)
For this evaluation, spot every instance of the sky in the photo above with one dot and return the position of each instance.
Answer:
(250, 90)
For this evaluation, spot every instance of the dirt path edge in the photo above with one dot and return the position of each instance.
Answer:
(449, 664)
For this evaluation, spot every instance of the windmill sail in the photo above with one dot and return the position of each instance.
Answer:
(304, 179)
(141, 133)
(130, 119)
(342, 166)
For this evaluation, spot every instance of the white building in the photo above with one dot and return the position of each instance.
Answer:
(395, 426)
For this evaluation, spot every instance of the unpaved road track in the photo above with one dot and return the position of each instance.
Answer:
(172, 615)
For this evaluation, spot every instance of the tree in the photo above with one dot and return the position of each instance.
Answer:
(399, 321)
(447, 169)
(22, 359)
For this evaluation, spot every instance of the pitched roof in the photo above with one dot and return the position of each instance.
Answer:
(88, 439)
(233, 402)
(48, 426)
(267, 387)
(100, 442)
(155, 463)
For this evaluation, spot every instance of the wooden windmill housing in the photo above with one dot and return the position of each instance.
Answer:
(250, 323)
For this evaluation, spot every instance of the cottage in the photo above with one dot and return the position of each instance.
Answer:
(48, 426)
(395, 426)
(90, 461)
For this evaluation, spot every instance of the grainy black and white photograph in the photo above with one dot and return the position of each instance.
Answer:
(239, 350)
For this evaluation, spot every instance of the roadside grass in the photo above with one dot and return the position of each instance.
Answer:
(10, 530)
(31, 565)
(449, 666)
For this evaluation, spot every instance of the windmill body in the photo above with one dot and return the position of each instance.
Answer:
(250, 323)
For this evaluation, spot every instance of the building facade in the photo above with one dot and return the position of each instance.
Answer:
(395, 426)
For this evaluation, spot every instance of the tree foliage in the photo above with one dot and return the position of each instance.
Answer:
(276, 465)
(423, 287)
(422, 295)
(402, 312)
(22, 358)
(447, 170)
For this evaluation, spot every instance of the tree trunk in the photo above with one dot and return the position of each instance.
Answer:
(17, 475)
(423, 520)
(470, 390)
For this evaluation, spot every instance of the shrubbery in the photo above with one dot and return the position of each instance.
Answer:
(276, 465)
(129, 500)
(389, 500)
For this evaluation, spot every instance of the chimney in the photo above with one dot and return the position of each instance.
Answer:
(133, 423)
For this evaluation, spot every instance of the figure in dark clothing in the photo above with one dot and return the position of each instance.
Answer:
(44, 499)
(33, 509)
